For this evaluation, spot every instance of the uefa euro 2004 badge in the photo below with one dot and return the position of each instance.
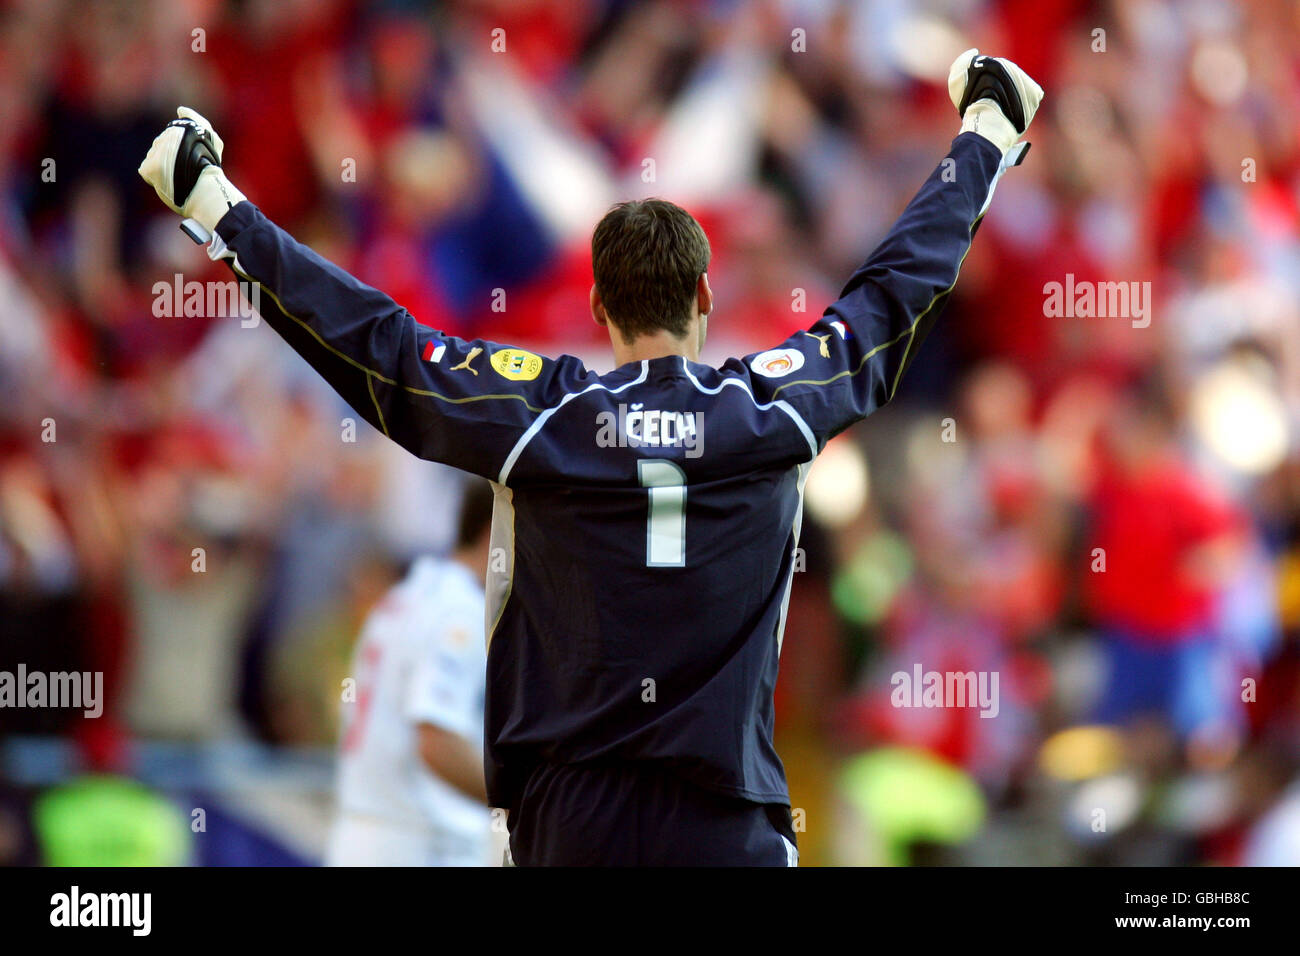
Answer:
(776, 362)
(517, 365)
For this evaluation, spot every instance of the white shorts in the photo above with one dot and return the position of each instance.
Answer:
(359, 840)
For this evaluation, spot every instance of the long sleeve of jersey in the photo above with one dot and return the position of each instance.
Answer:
(464, 403)
(851, 361)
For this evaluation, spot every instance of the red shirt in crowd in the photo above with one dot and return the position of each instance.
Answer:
(1149, 525)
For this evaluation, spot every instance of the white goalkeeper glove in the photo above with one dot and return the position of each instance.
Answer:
(184, 168)
(995, 97)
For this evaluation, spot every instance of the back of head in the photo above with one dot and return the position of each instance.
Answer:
(647, 256)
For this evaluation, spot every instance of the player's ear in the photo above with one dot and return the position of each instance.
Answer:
(597, 308)
(703, 294)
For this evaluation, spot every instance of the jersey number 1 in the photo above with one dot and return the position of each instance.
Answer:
(666, 524)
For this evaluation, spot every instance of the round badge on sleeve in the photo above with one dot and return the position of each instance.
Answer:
(517, 364)
(776, 362)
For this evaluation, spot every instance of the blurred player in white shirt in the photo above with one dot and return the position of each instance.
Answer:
(410, 774)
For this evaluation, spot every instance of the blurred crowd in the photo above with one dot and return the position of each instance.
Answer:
(1102, 511)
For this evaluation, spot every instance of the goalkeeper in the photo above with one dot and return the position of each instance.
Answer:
(637, 615)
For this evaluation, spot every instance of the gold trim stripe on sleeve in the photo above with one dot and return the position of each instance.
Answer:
(371, 373)
(370, 386)
(910, 331)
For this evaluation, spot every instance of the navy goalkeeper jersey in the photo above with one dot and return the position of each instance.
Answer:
(646, 520)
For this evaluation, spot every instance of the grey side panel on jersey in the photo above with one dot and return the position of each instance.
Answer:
(500, 578)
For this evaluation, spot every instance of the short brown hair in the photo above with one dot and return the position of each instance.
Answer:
(647, 256)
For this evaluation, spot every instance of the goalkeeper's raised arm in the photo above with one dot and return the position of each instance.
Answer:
(851, 361)
(464, 403)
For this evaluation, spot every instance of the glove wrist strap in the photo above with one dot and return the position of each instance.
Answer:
(211, 198)
(984, 117)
